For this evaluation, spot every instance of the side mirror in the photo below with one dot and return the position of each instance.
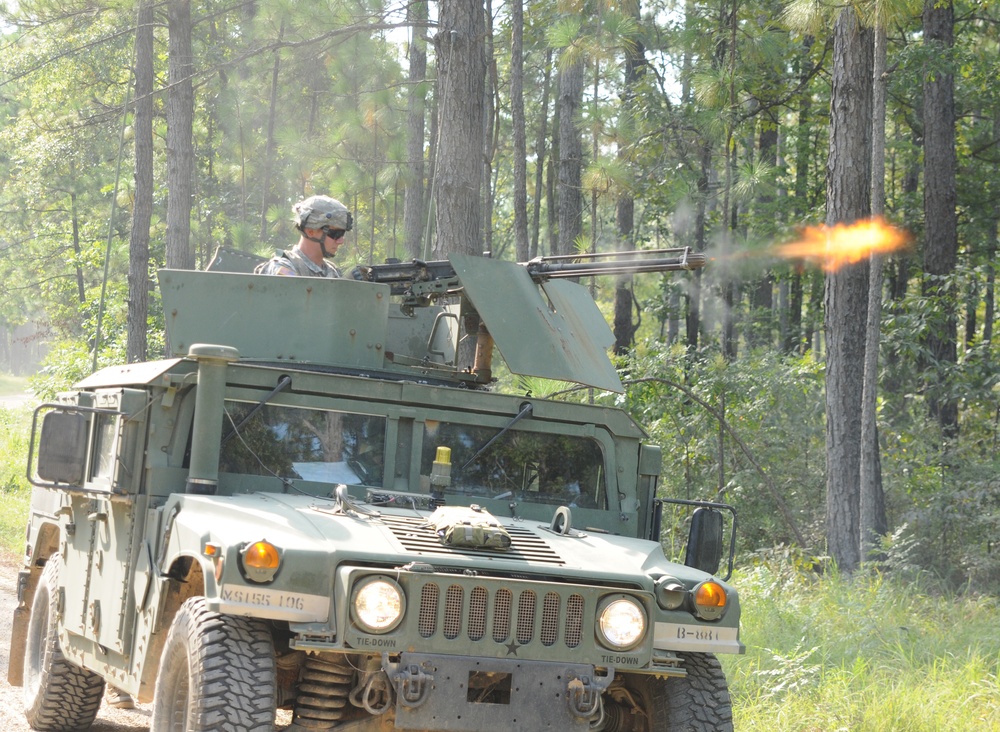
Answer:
(704, 548)
(62, 449)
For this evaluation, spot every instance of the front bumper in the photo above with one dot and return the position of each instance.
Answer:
(466, 694)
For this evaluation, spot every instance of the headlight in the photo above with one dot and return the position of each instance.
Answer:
(709, 600)
(621, 622)
(377, 604)
(260, 561)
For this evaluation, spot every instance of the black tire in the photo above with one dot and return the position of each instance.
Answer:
(699, 702)
(59, 696)
(217, 674)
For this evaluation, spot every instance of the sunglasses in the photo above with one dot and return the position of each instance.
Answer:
(334, 233)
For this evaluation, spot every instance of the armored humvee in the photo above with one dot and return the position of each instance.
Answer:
(311, 505)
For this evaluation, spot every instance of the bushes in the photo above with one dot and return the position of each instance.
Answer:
(771, 450)
(15, 492)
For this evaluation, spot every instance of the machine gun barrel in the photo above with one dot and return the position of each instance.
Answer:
(440, 277)
(614, 263)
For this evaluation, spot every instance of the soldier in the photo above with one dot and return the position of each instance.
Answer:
(322, 223)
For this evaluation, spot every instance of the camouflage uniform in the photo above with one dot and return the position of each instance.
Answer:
(293, 263)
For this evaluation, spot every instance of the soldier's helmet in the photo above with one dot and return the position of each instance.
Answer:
(322, 212)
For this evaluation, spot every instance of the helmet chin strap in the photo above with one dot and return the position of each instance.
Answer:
(321, 241)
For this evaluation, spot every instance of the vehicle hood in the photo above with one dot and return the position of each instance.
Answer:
(395, 537)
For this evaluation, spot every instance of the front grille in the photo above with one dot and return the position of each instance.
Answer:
(427, 620)
(550, 618)
(474, 612)
(453, 612)
(501, 615)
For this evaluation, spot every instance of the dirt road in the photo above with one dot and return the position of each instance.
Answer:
(13, 401)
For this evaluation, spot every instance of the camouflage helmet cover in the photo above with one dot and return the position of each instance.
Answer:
(319, 212)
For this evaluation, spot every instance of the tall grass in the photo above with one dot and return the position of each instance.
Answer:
(864, 654)
(15, 492)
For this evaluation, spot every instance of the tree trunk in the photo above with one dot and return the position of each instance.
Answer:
(624, 325)
(873, 523)
(846, 296)
(762, 291)
(794, 339)
(490, 129)
(692, 320)
(180, 136)
(940, 213)
(413, 199)
(551, 183)
(430, 194)
(540, 156)
(272, 113)
(814, 314)
(142, 207)
(569, 200)
(461, 63)
(726, 56)
(81, 290)
(520, 193)
(731, 296)
(989, 297)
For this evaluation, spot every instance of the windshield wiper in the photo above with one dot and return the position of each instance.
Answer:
(283, 383)
(526, 409)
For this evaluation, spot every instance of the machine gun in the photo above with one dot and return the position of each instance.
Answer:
(500, 306)
(420, 281)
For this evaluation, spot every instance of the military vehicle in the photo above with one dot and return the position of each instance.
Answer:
(311, 505)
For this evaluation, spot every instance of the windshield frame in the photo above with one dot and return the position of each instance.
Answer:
(404, 438)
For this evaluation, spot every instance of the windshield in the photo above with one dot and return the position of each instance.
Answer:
(324, 446)
(525, 466)
(311, 444)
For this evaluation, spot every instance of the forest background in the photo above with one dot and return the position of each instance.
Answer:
(850, 414)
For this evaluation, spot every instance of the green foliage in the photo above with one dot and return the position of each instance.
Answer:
(15, 493)
(337, 113)
(70, 359)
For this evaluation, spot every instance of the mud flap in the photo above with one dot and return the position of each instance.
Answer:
(464, 694)
(19, 631)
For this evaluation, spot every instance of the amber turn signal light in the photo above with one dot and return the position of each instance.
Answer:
(709, 600)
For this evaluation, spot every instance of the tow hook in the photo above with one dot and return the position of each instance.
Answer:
(412, 683)
(585, 694)
(373, 694)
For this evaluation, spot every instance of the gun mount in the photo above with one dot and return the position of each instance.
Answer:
(405, 317)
